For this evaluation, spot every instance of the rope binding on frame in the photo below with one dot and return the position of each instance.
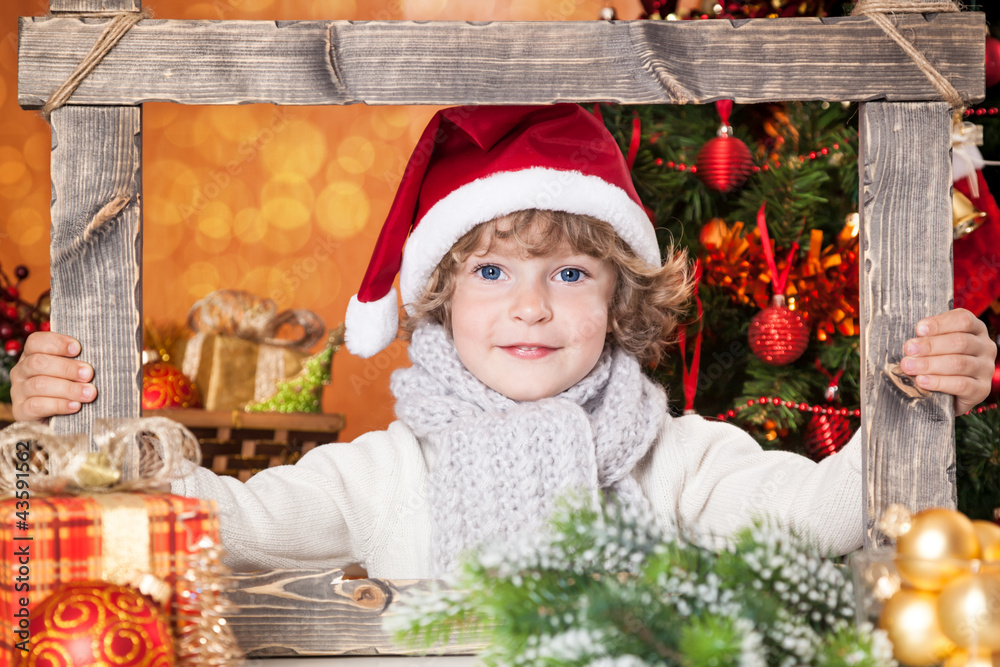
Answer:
(113, 32)
(877, 11)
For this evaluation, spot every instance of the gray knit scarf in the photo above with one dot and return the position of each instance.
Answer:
(498, 465)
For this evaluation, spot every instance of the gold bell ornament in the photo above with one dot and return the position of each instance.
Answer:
(965, 218)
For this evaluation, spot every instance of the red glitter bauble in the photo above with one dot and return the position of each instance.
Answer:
(724, 163)
(992, 61)
(778, 336)
(826, 434)
(165, 386)
(97, 623)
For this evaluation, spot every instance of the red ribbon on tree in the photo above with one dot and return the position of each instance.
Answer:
(724, 107)
(690, 377)
(777, 282)
(633, 146)
(778, 336)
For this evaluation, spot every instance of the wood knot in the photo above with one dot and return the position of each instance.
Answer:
(368, 596)
(903, 382)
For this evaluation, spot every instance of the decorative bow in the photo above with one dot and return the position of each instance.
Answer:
(245, 315)
(34, 456)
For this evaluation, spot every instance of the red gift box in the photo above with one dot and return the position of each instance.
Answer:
(47, 540)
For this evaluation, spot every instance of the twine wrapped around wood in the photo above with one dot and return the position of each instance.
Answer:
(61, 463)
(96, 226)
(110, 36)
(876, 10)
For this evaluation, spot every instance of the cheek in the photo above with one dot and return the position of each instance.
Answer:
(468, 316)
(590, 327)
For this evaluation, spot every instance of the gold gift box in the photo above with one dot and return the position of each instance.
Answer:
(232, 371)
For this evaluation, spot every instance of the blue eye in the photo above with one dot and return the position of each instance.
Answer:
(489, 272)
(570, 275)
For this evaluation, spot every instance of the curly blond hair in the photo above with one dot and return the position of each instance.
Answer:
(647, 301)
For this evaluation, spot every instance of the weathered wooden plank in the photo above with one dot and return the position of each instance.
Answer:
(309, 612)
(91, 6)
(268, 421)
(906, 274)
(97, 252)
(403, 62)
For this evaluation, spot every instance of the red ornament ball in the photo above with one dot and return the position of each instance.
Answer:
(992, 61)
(165, 386)
(778, 336)
(97, 623)
(724, 163)
(826, 434)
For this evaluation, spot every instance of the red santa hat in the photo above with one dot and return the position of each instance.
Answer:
(473, 164)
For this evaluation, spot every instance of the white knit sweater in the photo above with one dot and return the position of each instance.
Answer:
(365, 501)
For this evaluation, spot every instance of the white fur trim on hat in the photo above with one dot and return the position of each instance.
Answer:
(506, 192)
(370, 327)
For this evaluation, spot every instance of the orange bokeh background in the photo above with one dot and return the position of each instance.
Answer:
(284, 202)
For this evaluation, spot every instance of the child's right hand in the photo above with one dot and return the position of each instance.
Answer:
(47, 380)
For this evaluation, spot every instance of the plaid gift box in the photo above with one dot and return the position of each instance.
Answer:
(47, 540)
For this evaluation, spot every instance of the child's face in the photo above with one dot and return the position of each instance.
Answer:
(531, 327)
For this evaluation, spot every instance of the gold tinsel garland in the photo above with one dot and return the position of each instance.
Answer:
(822, 286)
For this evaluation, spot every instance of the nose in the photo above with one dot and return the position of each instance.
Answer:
(530, 303)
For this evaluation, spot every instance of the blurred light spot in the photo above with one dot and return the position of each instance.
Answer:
(37, 151)
(288, 186)
(201, 278)
(285, 213)
(161, 241)
(186, 130)
(156, 115)
(424, 10)
(342, 209)
(284, 241)
(159, 211)
(20, 188)
(215, 220)
(205, 10)
(298, 147)
(27, 226)
(248, 226)
(389, 122)
(12, 166)
(355, 154)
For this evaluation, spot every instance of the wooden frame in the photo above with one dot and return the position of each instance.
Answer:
(904, 164)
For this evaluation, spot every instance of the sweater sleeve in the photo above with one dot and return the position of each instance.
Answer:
(327, 510)
(712, 478)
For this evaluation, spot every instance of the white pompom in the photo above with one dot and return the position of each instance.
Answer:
(370, 327)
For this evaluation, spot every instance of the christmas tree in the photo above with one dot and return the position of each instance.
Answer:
(721, 181)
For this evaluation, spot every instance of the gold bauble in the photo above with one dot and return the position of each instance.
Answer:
(713, 233)
(969, 611)
(934, 550)
(988, 534)
(910, 619)
(967, 659)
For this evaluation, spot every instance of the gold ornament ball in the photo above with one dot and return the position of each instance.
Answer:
(934, 550)
(988, 534)
(967, 659)
(910, 619)
(969, 611)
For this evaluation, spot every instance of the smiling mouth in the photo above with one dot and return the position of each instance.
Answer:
(528, 351)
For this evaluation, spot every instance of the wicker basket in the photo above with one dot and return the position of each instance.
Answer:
(240, 444)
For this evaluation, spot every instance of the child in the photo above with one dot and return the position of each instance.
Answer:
(534, 292)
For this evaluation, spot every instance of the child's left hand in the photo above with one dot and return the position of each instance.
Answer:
(953, 354)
